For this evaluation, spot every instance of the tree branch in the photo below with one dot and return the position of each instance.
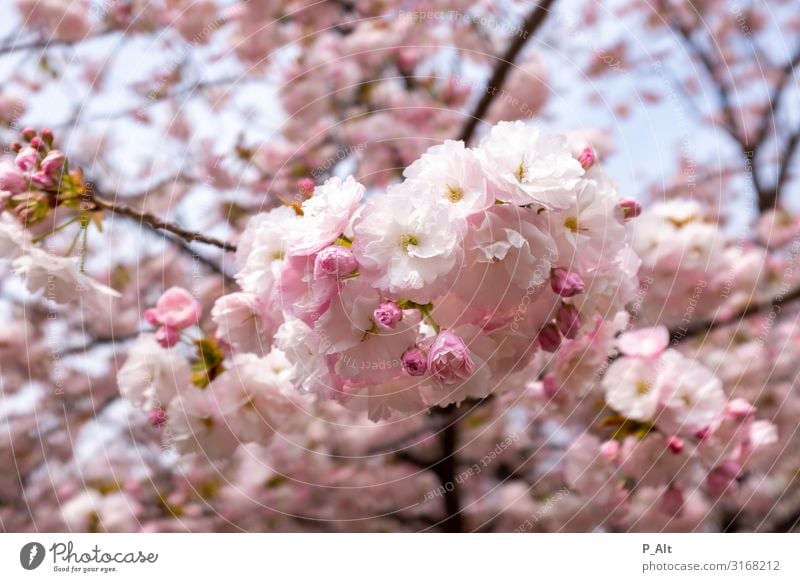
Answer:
(706, 326)
(43, 44)
(154, 222)
(529, 27)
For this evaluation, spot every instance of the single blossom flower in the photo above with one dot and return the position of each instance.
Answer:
(175, 308)
(644, 343)
(527, 167)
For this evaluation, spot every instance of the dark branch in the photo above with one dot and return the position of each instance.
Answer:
(531, 24)
(706, 326)
(156, 223)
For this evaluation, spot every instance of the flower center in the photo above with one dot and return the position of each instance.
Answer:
(408, 240)
(681, 222)
(643, 387)
(454, 193)
(571, 222)
(520, 173)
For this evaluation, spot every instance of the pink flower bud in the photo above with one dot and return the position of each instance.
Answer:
(53, 163)
(722, 477)
(610, 450)
(11, 181)
(671, 501)
(550, 385)
(703, 433)
(28, 133)
(630, 208)
(335, 261)
(41, 180)
(739, 409)
(387, 315)
(157, 417)
(568, 320)
(151, 316)
(449, 359)
(305, 186)
(549, 338)
(26, 159)
(587, 158)
(167, 336)
(47, 136)
(175, 308)
(414, 362)
(675, 445)
(37, 143)
(566, 283)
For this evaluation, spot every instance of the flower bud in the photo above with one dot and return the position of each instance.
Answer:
(26, 159)
(11, 181)
(671, 501)
(175, 308)
(41, 180)
(53, 163)
(449, 359)
(568, 320)
(47, 136)
(739, 409)
(414, 362)
(566, 283)
(610, 449)
(157, 417)
(549, 338)
(387, 315)
(587, 158)
(630, 208)
(167, 336)
(335, 261)
(675, 445)
(28, 133)
(550, 385)
(722, 477)
(306, 187)
(37, 143)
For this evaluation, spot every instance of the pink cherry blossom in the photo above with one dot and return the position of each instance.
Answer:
(176, 308)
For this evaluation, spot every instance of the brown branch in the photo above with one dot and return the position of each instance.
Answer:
(767, 197)
(156, 223)
(44, 44)
(711, 68)
(706, 326)
(774, 100)
(529, 27)
(783, 173)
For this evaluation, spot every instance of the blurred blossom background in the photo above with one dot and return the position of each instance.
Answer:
(205, 113)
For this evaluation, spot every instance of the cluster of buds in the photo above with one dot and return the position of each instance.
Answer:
(39, 180)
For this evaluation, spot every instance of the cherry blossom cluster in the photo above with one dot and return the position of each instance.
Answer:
(441, 288)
